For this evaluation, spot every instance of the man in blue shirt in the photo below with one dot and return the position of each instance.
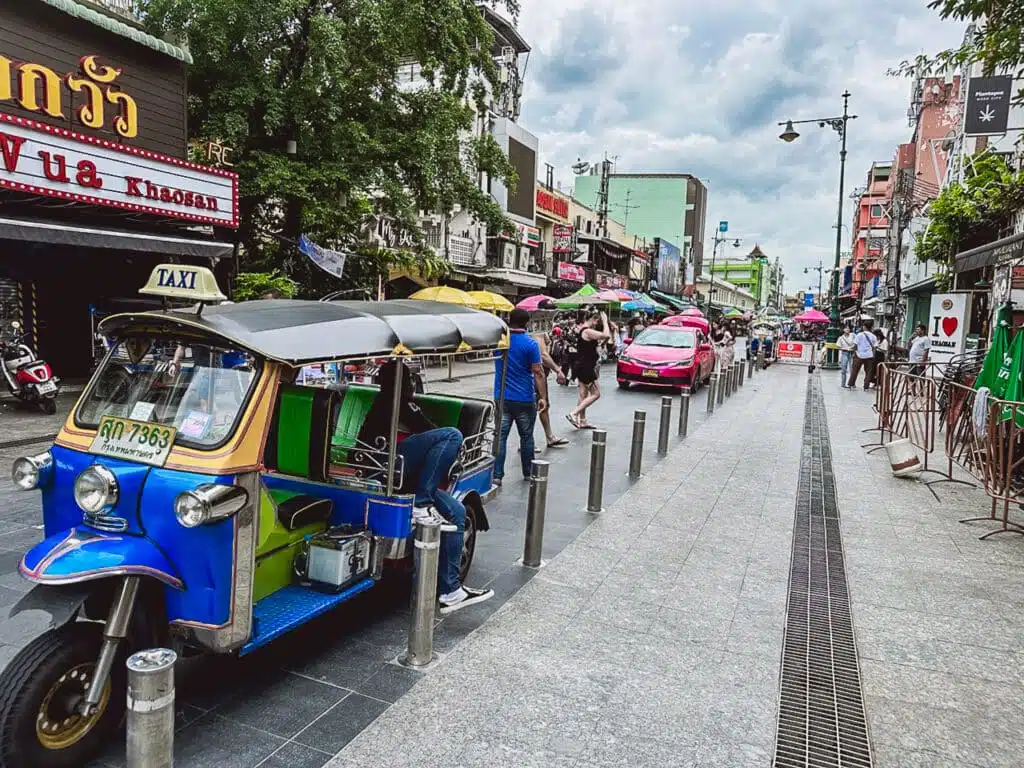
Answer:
(526, 392)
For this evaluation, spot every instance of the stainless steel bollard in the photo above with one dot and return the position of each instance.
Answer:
(595, 491)
(722, 386)
(736, 366)
(750, 367)
(535, 510)
(684, 411)
(727, 379)
(743, 368)
(712, 392)
(664, 425)
(760, 358)
(151, 709)
(424, 600)
(636, 448)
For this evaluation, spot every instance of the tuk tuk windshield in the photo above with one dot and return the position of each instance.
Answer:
(199, 389)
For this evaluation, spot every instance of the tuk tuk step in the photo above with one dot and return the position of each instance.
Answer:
(291, 607)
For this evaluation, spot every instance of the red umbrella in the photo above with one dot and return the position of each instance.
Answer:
(531, 303)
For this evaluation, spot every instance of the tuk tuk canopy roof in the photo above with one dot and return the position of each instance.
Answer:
(303, 332)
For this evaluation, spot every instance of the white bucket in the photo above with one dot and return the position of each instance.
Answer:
(903, 458)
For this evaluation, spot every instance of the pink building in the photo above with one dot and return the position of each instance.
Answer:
(870, 231)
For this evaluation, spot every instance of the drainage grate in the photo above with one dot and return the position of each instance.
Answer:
(821, 706)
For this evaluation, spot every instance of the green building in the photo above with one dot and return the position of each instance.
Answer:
(671, 206)
(754, 273)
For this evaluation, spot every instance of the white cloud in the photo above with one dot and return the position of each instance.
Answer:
(682, 85)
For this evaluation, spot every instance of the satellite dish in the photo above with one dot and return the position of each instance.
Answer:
(580, 167)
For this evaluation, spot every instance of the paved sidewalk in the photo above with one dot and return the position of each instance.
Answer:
(939, 614)
(652, 640)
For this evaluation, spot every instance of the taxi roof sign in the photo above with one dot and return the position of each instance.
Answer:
(180, 281)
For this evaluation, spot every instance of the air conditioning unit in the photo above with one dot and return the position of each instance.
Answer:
(508, 54)
(508, 256)
(524, 259)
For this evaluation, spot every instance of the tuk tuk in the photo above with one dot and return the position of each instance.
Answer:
(199, 498)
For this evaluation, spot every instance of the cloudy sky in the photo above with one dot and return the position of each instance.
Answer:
(698, 87)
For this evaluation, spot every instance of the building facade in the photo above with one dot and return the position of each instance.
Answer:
(670, 206)
(756, 274)
(725, 294)
(95, 183)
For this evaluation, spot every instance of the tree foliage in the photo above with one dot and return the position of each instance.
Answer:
(256, 285)
(969, 214)
(995, 39)
(326, 75)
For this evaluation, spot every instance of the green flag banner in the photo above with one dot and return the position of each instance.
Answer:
(1013, 390)
(995, 369)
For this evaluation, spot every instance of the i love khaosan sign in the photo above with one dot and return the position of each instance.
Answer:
(43, 160)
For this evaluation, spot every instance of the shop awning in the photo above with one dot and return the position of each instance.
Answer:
(113, 239)
(990, 254)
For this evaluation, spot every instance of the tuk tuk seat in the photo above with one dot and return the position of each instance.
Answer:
(297, 443)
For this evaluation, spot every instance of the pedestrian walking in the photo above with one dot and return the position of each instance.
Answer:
(920, 348)
(591, 332)
(864, 355)
(550, 366)
(847, 346)
(526, 392)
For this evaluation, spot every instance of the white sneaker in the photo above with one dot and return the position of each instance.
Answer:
(462, 597)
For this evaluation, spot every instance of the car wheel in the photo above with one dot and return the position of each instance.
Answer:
(623, 384)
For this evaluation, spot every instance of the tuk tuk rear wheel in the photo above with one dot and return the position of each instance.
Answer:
(468, 543)
(39, 692)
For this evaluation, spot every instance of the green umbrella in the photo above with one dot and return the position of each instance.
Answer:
(733, 312)
(1014, 391)
(576, 299)
(995, 369)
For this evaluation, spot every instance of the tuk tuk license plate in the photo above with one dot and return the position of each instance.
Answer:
(131, 440)
(650, 372)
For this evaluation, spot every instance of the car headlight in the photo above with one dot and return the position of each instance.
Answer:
(96, 489)
(209, 503)
(29, 472)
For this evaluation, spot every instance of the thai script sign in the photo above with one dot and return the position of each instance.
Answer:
(43, 160)
(572, 272)
(552, 204)
(561, 238)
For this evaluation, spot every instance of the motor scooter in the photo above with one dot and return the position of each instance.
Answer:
(28, 378)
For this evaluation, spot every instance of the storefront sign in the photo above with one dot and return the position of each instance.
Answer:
(610, 279)
(530, 236)
(791, 350)
(552, 204)
(39, 89)
(561, 238)
(988, 105)
(571, 272)
(386, 233)
(947, 326)
(43, 160)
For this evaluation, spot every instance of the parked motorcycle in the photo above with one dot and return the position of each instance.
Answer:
(28, 378)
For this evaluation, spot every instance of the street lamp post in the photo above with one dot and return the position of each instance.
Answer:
(839, 125)
(714, 252)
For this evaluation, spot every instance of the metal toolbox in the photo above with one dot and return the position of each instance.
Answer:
(337, 558)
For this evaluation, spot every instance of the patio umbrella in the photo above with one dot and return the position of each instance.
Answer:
(692, 312)
(446, 295)
(733, 312)
(1014, 386)
(588, 294)
(996, 360)
(492, 302)
(812, 316)
(657, 306)
(532, 303)
(637, 306)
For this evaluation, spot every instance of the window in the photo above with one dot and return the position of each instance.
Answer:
(876, 212)
(660, 337)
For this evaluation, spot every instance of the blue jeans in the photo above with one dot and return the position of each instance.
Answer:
(429, 456)
(525, 417)
(845, 357)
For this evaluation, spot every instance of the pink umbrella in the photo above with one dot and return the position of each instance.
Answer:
(531, 303)
(608, 295)
(692, 312)
(812, 316)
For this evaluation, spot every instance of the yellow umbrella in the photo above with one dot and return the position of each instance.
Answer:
(492, 302)
(447, 295)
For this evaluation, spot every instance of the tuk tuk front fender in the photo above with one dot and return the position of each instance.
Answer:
(84, 554)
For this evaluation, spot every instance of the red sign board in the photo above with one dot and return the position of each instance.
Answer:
(573, 272)
(552, 204)
(610, 280)
(561, 238)
(1017, 280)
(793, 350)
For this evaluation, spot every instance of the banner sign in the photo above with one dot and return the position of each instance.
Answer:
(668, 266)
(988, 105)
(610, 279)
(331, 262)
(794, 351)
(43, 160)
(561, 238)
(552, 204)
(530, 236)
(808, 301)
(572, 272)
(947, 326)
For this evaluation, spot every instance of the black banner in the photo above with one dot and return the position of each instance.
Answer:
(988, 105)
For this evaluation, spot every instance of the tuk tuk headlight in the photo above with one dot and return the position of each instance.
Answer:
(96, 489)
(30, 472)
(209, 503)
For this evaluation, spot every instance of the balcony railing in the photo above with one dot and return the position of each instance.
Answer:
(120, 8)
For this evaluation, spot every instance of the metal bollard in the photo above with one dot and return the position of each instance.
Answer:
(151, 708)
(664, 425)
(750, 367)
(728, 382)
(712, 392)
(760, 358)
(742, 369)
(424, 600)
(535, 511)
(636, 448)
(737, 366)
(722, 387)
(595, 491)
(684, 411)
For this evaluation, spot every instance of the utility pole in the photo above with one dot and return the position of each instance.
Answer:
(602, 198)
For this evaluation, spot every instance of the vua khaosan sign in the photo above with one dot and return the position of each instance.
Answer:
(44, 160)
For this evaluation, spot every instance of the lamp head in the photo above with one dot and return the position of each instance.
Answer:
(789, 135)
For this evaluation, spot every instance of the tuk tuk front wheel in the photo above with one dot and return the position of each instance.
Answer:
(39, 694)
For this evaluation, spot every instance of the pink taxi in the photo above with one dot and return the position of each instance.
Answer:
(666, 356)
